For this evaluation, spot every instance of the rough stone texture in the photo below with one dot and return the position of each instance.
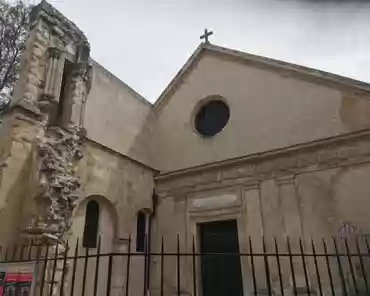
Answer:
(57, 153)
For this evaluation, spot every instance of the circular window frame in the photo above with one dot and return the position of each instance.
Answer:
(199, 106)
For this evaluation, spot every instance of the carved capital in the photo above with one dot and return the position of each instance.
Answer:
(54, 53)
(252, 185)
(285, 180)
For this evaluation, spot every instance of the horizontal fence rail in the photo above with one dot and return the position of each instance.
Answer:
(336, 266)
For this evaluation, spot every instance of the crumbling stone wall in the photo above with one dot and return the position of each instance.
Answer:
(50, 153)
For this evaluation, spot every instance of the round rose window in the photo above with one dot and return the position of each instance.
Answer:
(212, 117)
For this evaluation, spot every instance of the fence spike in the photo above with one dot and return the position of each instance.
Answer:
(61, 291)
(329, 268)
(349, 257)
(44, 270)
(252, 267)
(194, 270)
(341, 275)
(279, 267)
(85, 271)
(97, 267)
(54, 269)
(304, 267)
(128, 266)
(74, 268)
(292, 267)
(363, 272)
(178, 265)
(316, 267)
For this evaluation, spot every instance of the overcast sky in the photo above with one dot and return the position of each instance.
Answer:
(145, 42)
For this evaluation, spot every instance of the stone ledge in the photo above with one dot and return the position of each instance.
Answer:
(337, 151)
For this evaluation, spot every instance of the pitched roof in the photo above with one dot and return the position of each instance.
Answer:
(204, 47)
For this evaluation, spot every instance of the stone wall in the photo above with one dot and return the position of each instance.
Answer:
(122, 187)
(270, 108)
(306, 192)
(115, 114)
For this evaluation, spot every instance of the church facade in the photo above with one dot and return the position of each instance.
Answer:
(238, 145)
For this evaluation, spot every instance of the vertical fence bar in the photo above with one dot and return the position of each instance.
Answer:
(14, 253)
(362, 266)
(162, 264)
(29, 251)
(44, 270)
(178, 265)
(74, 270)
(304, 267)
(341, 275)
(349, 257)
(128, 266)
(6, 254)
(61, 291)
(145, 264)
(252, 267)
(291, 266)
(316, 267)
(54, 269)
(21, 252)
(267, 267)
(367, 246)
(109, 280)
(279, 268)
(194, 271)
(38, 251)
(96, 277)
(329, 268)
(85, 271)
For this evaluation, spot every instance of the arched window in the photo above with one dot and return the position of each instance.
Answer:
(91, 225)
(140, 231)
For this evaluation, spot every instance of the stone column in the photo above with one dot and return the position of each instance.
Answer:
(290, 207)
(51, 74)
(79, 88)
(254, 227)
(49, 99)
(292, 229)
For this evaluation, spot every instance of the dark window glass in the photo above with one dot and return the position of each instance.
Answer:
(212, 118)
(140, 231)
(91, 224)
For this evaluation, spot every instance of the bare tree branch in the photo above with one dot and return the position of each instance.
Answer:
(14, 22)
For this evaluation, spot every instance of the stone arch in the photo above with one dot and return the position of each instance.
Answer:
(108, 217)
(107, 230)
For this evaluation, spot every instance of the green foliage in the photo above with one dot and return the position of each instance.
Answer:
(14, 24)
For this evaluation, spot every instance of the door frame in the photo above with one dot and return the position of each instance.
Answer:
(234, 212)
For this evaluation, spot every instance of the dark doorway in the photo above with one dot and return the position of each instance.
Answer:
(221, 274)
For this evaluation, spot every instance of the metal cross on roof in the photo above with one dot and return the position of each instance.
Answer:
(206, 35)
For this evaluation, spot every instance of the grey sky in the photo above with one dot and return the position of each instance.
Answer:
(145, 42)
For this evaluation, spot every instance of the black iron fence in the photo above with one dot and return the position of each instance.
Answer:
(337, 266)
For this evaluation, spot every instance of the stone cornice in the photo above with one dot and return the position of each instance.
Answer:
(325, 153)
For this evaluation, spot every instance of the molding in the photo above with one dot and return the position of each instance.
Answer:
(252, 185)
(285, 180)
(322, 77)
(110, 150)
(35, 117)
(282, 164)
